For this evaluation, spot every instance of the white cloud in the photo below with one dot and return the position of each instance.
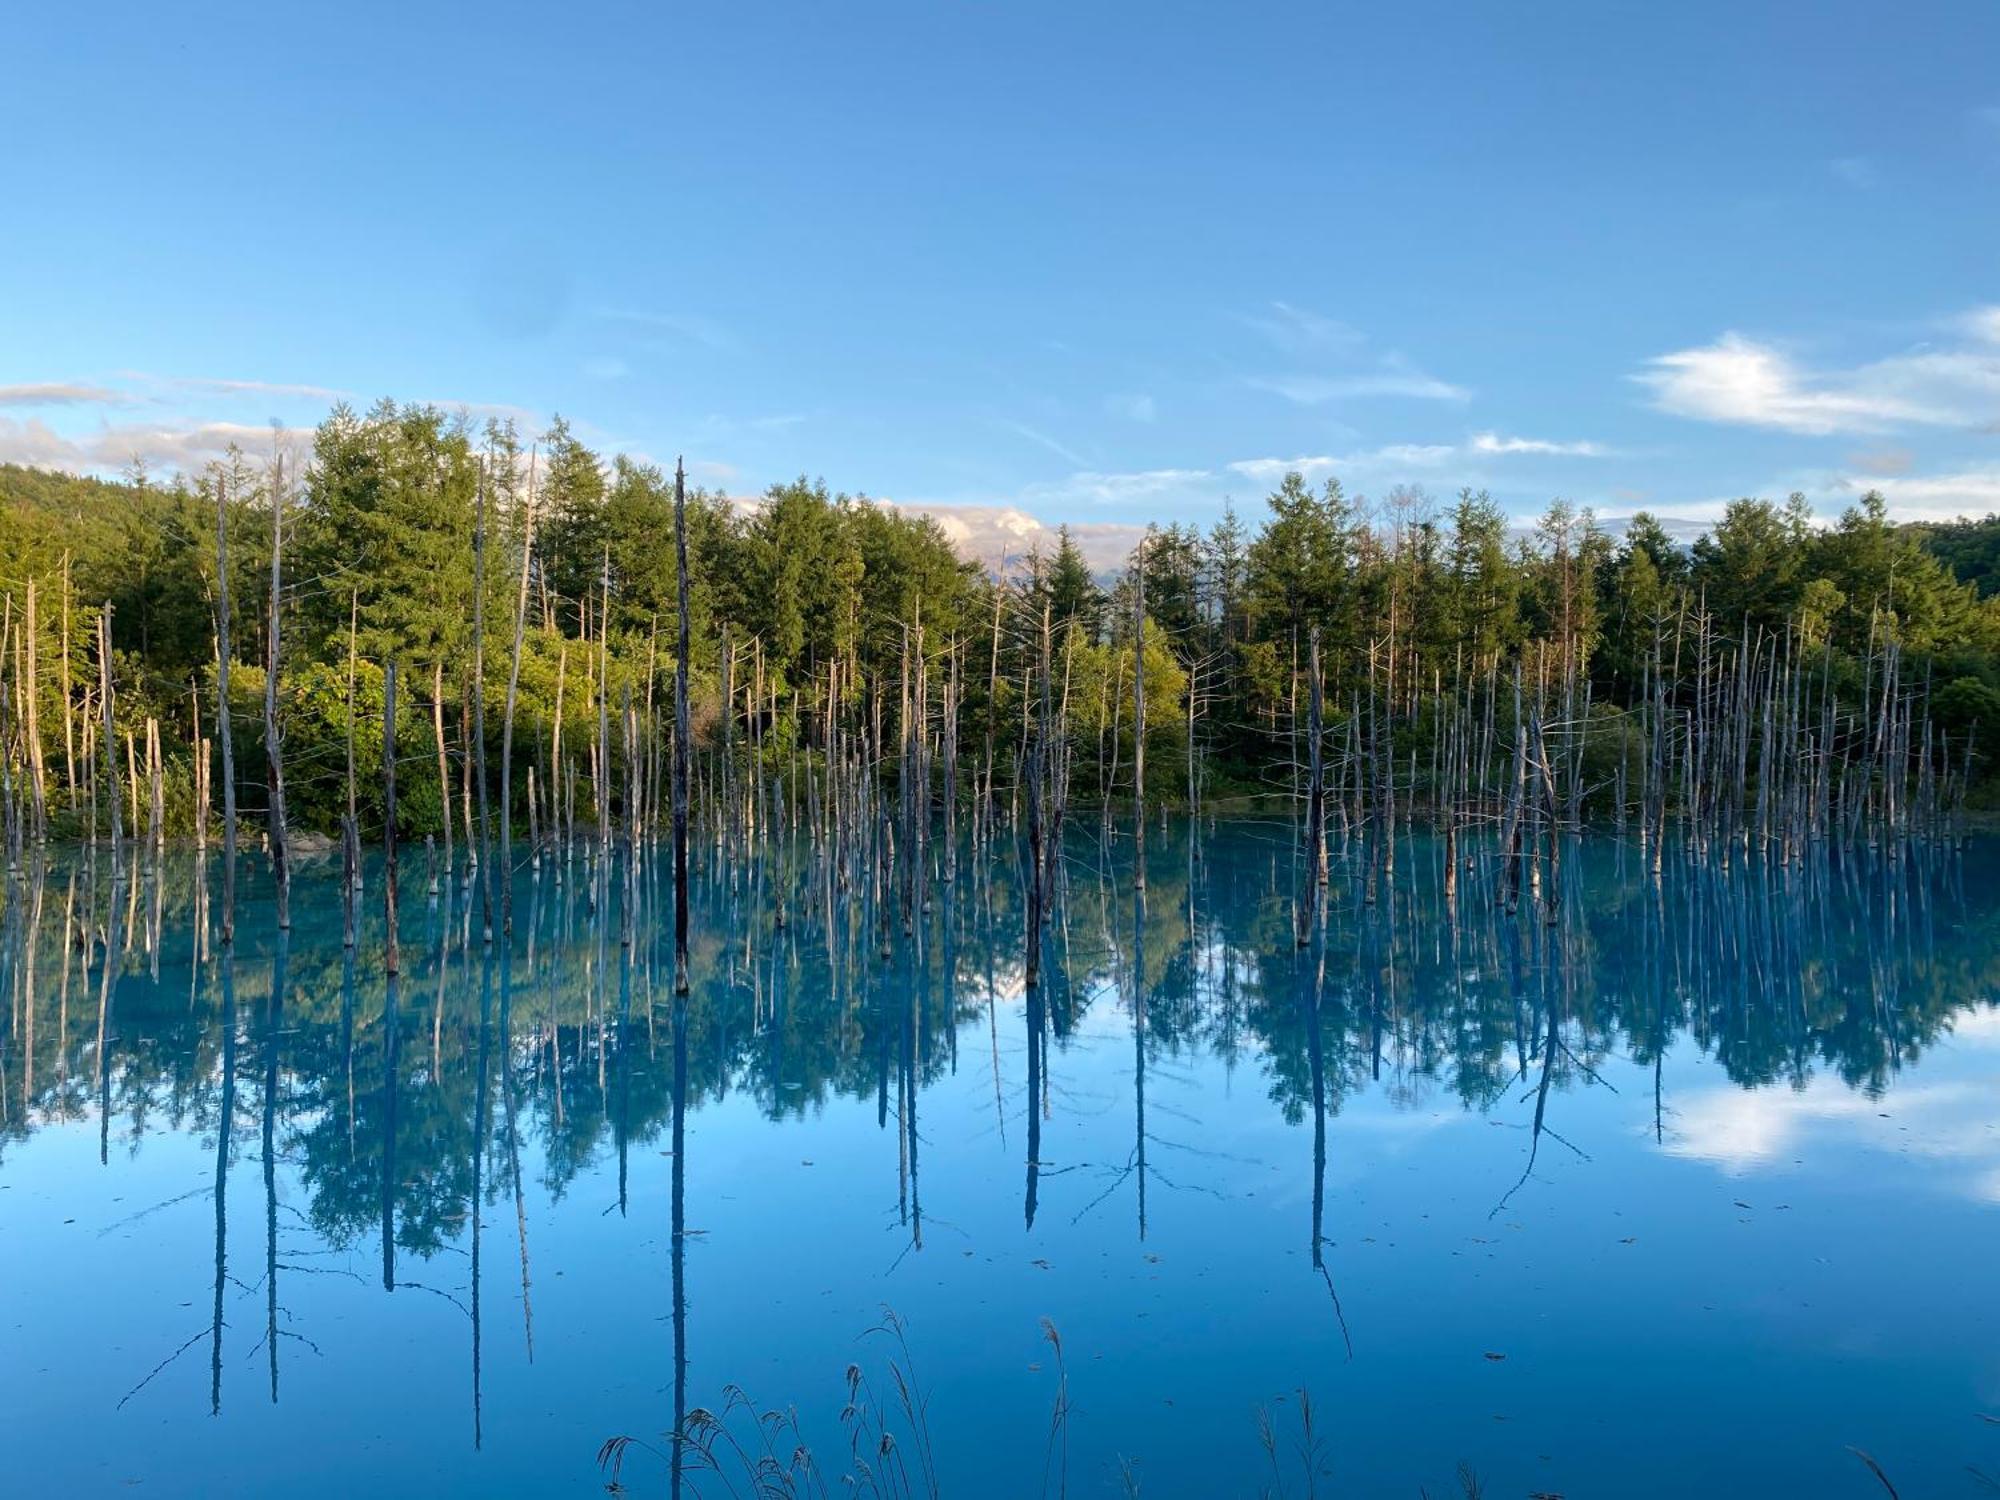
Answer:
(1494, 443)
(1739, 380)
(184, 447)
(1740, 1130)
(1856, 171)
(1090, 487)
(1931, 497)
(1942, 496)
(52, 393)
(35, 443)
(1139, 408)
(1405, 456)
(997, 536)
(1271, 470)
(1983, 323)
(1736, 380)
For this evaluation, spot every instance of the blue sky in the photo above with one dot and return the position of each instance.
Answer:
(1088, 262)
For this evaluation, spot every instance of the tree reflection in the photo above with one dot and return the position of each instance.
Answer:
(1848, 967)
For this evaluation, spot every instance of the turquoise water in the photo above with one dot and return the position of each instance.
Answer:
(1687, 1193)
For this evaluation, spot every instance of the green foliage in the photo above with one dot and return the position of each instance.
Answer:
(818, 587)
(1967, 706)
(1971, 549)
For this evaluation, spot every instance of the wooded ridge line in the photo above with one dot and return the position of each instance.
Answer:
(1777, 678)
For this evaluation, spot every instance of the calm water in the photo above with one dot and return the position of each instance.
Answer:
(1755, 1226)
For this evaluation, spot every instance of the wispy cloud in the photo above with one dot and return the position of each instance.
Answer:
(1494, 443)
(257, 388)
(1342, 363)
(1300, 330)
(59, 394)
(529, 423)
(1138, 408)
(1856, 171)
(668, 328)
(1368, 463)
(1393, 459)
(1317, 390)
(1042, 440)
(1885, 461)
(1742, 381)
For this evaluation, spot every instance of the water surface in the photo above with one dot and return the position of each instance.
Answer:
(1687, 1192)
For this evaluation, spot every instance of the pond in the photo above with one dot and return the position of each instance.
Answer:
(1692, 1189)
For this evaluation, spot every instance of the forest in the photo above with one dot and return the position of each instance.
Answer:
(525, 588)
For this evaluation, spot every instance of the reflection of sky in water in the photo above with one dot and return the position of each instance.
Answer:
(1718, 1215)
(1950, 1115)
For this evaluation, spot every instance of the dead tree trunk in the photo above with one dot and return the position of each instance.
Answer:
(507, 717)
(391, 958)
(109, 739)
(1315, 802)
(1139, 721)
(228, 752)
(274, 767)
(681, 731)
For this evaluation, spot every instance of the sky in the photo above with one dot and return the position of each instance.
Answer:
(1032, 263)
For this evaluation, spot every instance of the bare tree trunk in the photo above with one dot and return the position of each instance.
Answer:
(681, 732)
(222, 654)
(156, 826)
(68, 690)
(1315, 803)
(482, 842)
(31, 726)
(1139, 721)
(110, 736)
(391, 957)
(350, 830)
(274, 769)
(507, 718)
